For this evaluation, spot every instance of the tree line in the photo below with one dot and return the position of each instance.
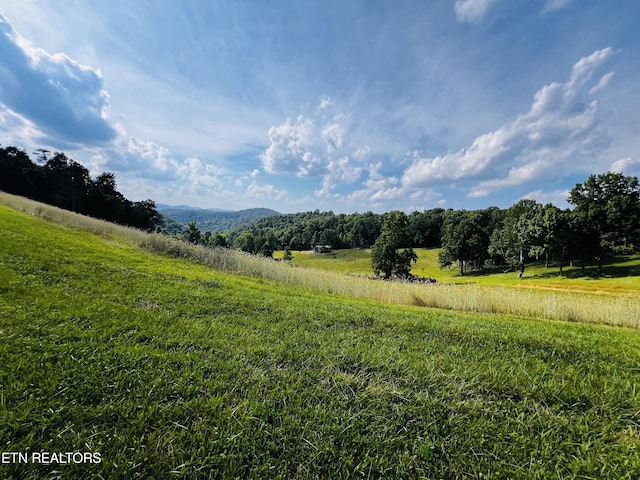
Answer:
(58, 180)
(304, 230)
(605, 219)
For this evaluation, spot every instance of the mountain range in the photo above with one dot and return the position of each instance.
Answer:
(176, 218)
(161, 207)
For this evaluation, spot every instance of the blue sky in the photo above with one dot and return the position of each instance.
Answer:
(336, 105)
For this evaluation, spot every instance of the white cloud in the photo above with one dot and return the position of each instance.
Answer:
(333, 133)
(604, 81)
(556, 197)
(292, 148)
(316, 146)
(517, 176)
(306, 146)
(17, 130)
(377, 188)
(156, 160)
(339, 171)
(239, 181)
(627, 166)
(552, 5)
(200, 177)
(142, 159)
(266, 192)
(586, 67)
(465, 163)
(472, 11)
(559, 128)
(362, 153)
(325, 102)
(65, 100)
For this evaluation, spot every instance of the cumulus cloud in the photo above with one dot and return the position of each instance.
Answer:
(325, 102)
(292, 148)
(142, 159)
(316, 146)
(561, 126)
(305, 146)
(200, 176)
(472, 11)
(65, 100)
(338, 171)
(266, 192)
(333, 133)
(377, 187)
(145, 156)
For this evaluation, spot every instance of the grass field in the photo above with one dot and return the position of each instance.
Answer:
(620, 274)
(613, 308)
(170, 369)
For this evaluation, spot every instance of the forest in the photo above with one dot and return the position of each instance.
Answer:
(213, 221)
(60, 181)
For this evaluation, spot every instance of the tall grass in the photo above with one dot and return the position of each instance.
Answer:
(612, 309)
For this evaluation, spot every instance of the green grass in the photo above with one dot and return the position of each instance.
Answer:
(613, 308)
(612, 298)
(170, 369)
(620, 274)
(356, 261)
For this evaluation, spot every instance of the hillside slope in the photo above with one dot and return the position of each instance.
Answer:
(167, 369)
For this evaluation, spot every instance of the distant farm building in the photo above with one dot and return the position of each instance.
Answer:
(322, 249)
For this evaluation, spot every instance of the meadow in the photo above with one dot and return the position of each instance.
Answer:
(172, 369)
(614, 308)
(620, 274)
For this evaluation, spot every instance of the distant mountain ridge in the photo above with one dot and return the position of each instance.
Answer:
(208, 220)
(161, 207)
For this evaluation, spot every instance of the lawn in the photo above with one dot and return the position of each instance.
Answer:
(169, 369)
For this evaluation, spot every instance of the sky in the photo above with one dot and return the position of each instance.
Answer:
(349, 106)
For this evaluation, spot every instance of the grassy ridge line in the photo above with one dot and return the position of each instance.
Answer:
(618, 309)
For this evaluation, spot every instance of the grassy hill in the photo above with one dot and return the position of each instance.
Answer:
(170, 369)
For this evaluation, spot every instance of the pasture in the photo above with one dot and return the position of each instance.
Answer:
(171, 369)
(620, 274)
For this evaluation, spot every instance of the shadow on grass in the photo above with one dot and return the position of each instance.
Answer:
(486, 272)
(591, 272)
(615, 267)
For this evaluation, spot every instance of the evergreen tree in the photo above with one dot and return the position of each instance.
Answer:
(191, 233)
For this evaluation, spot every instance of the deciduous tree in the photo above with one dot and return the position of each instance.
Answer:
(608, 205)
(386, 257)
